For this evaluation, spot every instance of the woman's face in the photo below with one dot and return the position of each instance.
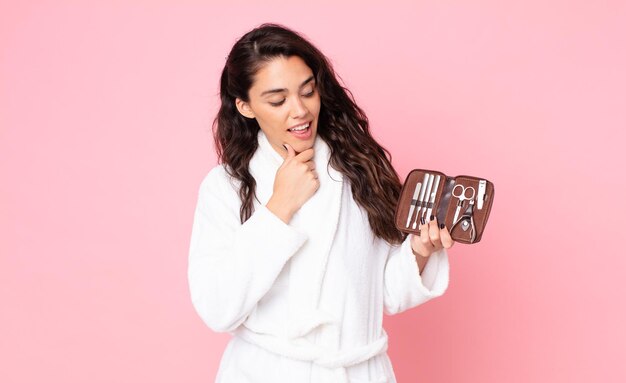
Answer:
(284, 96)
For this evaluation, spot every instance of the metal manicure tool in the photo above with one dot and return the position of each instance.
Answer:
(420, 200)
(413, 203)
(429, 186)
(482, 188)
(461, 198)
(467, 219)
(432, 198)
(427, 196)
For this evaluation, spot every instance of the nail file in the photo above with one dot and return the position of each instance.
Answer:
(427, 197)
(413, 203)
(482, 188)
(432, 198)
(420, 199)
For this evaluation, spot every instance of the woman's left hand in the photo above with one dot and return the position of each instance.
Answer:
(432, 238)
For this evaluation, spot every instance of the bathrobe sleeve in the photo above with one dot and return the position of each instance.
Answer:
(404, 287)
(231, 266)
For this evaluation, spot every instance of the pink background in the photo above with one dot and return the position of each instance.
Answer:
(105, 112)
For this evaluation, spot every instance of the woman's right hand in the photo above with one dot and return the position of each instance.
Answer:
(296, 181)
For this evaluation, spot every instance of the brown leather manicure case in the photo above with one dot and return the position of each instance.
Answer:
(463, 203)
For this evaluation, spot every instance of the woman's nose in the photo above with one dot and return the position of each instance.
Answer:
(298, 109)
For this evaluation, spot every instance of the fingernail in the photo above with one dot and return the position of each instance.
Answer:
(432, 217)
(442, 225)
(284, 147)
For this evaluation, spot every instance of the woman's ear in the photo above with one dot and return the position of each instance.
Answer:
(244, 108)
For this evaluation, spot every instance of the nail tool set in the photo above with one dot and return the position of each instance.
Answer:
(463, 203)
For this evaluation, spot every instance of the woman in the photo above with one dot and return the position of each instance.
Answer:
(293, 247)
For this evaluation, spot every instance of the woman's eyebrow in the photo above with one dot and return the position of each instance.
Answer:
(284, 90)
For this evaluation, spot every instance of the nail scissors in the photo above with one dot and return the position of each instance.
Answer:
(467, 221)
(461, 196)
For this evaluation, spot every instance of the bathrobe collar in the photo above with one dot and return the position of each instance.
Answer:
(318, 218)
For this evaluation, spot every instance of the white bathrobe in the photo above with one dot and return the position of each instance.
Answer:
(304, 300)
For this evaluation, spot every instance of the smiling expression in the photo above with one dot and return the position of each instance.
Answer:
(284, 95)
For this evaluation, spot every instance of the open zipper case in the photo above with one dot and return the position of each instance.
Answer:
(463, 203)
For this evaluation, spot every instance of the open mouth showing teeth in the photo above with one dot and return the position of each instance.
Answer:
(299, 128)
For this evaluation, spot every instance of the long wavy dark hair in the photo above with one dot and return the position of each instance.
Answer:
(341, 123)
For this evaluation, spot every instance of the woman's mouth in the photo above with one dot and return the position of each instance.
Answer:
(301, 131)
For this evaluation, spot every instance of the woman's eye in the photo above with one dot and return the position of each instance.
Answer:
(310, 94)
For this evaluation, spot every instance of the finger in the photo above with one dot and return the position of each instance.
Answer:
(433, 232)
(446, 238)
(311, 164)
(305, 155)
(417, 245)
(290, 152)
(425, 238)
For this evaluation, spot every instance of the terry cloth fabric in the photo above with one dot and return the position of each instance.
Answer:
(317, 219)
(307, 297)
